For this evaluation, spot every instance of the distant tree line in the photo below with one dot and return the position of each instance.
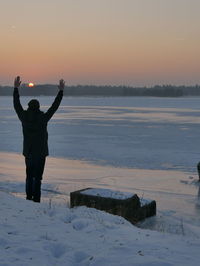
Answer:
(89, 90)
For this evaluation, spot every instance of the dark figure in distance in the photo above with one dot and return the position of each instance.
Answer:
(35, 144)
(198, 170)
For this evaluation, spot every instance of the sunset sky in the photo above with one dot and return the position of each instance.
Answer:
(130, 42)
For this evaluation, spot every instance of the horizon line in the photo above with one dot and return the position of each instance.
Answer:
(106, 85)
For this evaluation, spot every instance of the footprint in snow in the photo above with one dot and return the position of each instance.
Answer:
(80, 224)
(58, 250)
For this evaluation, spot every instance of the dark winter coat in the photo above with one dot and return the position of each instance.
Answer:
(34, 124)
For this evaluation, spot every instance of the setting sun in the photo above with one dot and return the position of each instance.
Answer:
(31, 84)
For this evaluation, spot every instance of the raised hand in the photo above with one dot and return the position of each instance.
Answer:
(17, 82)
(61, 85)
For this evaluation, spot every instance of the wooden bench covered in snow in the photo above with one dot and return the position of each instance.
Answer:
(125, 204)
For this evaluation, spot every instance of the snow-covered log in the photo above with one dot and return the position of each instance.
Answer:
(125, 204)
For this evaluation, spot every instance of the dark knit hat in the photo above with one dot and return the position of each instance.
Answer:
(34, 104)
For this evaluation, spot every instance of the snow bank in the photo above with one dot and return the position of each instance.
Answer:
(47, 234)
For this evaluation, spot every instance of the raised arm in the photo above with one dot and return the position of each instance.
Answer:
(56, 102)
(16, 99)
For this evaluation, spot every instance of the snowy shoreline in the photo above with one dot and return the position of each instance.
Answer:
(177, 194)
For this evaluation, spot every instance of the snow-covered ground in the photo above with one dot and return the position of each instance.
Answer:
(46, 234)
(148, 146)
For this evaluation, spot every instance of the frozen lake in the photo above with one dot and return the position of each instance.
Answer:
(147, 133)
(145, 145)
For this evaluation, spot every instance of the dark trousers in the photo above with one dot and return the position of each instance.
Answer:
(198, 170)
(34, 171)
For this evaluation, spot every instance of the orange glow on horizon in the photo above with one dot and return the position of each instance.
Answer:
(31, 85)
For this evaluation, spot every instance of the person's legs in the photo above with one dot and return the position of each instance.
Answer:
(29, 178)
(36, 189)
(34, 171)
(39, 169)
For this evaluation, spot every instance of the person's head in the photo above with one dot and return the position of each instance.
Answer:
(34, 105)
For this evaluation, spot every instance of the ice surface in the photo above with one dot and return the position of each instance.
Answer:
(134, 132)
(107, 193)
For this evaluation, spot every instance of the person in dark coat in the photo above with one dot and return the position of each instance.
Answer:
(35, 141)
